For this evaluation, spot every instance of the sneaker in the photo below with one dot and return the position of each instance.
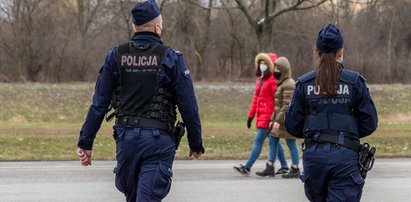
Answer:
(268, 171)
(282, 171)
(242, 170)
(294, 173)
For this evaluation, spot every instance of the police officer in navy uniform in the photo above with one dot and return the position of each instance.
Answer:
(331, 109)
(143, 81)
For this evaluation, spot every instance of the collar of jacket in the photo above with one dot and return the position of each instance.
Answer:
(283, 77)
(340, 65)
(264, 78)
(146, 38)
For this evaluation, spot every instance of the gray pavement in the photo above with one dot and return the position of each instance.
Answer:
(194, 181)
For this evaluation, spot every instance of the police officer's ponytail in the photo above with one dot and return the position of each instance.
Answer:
(328, 74)
(329, 45)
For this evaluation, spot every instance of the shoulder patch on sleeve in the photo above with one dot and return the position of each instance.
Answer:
(307, 76)
(349, 76)
(178, 52)
(181, 66)
(187, 72)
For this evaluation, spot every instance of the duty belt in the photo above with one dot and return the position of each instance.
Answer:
(347, 142)
(142, 122)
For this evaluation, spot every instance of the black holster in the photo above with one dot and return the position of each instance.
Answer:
(178, 132)
(366, 159)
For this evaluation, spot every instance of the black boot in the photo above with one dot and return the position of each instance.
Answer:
(282, 171)
(268, 171)
(294, 173)
(242, 170)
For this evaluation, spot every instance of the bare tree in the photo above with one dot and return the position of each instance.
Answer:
(202, 42)
(59, 41)
(89, 22)
(270, 10)
(22, 16)
(122, 10)
(86, 12)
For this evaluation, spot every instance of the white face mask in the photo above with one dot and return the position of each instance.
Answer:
(263, 68)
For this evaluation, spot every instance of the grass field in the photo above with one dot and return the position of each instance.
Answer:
(42, 121)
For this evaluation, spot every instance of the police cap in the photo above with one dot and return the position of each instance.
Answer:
(329, 39)
(144, 12)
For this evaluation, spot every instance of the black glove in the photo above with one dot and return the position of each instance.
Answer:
(249, 122)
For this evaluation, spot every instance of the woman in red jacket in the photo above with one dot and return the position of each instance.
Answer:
(262, 106)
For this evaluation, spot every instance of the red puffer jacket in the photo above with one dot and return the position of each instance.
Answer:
(263, 102)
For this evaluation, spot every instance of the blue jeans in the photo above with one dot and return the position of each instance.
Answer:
(281, 155)
(259, 138)
(292, 146)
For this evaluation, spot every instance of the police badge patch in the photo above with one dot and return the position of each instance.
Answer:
(187, 72)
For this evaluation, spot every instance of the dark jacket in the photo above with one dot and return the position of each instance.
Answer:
(363, 109)
(174, 75)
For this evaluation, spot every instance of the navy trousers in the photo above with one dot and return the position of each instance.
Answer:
(331, 174)
(144, 163)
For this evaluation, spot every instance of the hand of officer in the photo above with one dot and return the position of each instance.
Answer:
(85, 156)
(249, 122)
(195, 154)
(276, 128)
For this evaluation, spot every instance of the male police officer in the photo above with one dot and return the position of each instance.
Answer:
(332, 109)
(143, 80)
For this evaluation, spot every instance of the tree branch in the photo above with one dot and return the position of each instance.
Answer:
(360, 2)
(243, 8)
(251, 4)
(294, 7)
(92, 14)
(7, 50)
(207, 8)
(162, 5)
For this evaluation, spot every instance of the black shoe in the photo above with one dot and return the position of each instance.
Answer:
(282, 171)
(242, 170)
(294, 173)
(268, 171)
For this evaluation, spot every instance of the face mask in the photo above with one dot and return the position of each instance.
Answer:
(263, 68)
(277, 75)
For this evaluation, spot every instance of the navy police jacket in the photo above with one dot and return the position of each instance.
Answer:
(351, 111)
(174, 75)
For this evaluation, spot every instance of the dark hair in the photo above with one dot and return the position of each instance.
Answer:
(258, 71)
(328, 74)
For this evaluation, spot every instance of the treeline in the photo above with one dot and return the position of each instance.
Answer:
(63, 41)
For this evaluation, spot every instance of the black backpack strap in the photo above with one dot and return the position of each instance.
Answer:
(121, 49)
(161, 50)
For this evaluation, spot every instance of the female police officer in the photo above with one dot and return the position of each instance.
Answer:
(332, 109)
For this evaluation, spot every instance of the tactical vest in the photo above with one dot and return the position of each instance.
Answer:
(138, 100)
(330, 113)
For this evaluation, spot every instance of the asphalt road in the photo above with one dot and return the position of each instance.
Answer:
(194, 181)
